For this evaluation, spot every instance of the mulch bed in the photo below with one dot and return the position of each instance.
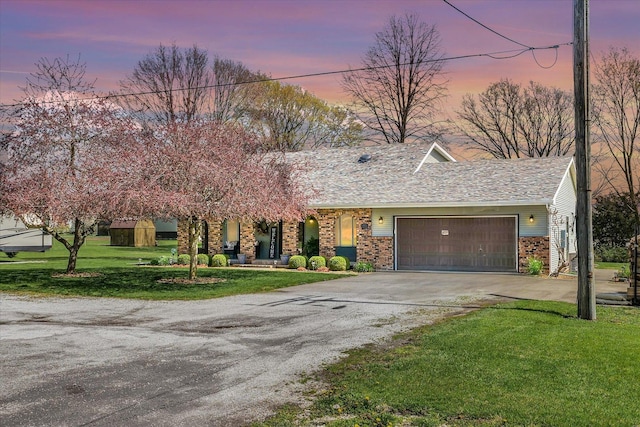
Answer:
(196, 281)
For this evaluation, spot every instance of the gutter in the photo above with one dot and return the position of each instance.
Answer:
(543, 202)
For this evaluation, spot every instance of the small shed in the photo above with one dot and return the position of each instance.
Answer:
(133, 233)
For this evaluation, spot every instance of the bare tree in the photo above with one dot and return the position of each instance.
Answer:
(616, 114)
(169, 84)
(234, 86)
(400, 83)
(509, 121)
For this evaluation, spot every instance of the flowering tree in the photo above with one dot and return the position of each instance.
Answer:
(199, 169)
(65, 158)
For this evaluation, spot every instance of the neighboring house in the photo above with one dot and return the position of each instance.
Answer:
(413, 207)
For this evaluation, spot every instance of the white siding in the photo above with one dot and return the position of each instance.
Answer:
(562, 219)
(435, 157)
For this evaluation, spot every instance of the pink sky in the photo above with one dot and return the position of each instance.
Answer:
(285, 38)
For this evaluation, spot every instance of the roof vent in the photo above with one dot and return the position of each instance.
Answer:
(364, 158)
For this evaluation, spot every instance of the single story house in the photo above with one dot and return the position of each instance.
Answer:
(414, 207)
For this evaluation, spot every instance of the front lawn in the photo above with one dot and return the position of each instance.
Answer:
(112, 271)
(527, 363)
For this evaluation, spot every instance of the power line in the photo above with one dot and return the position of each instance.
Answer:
(487, 28)
(501, 55)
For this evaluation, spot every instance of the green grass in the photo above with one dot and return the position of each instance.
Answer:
(521, 364)
(115, 274)
(611, 265)
(95, 253)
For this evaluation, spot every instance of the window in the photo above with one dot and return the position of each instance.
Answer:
(232, 231)
(345, 231)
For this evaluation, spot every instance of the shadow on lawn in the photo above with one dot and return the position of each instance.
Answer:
(530, 306)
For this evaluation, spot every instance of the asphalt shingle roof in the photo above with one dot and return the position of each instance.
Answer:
(390, 178)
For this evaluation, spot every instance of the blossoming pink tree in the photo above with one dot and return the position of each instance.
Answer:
(200, 170)
(73, 157)
(62, 162)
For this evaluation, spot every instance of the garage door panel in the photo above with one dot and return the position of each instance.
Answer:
(457, 244)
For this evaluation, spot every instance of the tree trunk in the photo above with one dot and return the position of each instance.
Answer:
(78, 240)
(195, 227)
(73, 258)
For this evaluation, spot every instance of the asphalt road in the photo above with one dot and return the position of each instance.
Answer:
(221, 362)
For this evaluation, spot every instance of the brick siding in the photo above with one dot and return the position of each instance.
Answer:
(290, 231)
(533, 246)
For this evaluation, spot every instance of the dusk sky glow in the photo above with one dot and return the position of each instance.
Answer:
(284, 38)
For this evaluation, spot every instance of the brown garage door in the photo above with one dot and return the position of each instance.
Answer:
(457, 244)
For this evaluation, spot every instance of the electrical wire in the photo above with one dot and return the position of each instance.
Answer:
(487, 28)
(493, 55)
(505, 37)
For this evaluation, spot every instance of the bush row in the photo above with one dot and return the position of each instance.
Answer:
(185, 259)
(335, 263)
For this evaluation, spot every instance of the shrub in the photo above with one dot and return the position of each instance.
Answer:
(535, 266)
(337, 263)
(363, 267)
(624, 272)
(203, 259)
(297, 261)
(316, 262)
(311, 247)
(347, 262)
(184, 259)
(220, 260)
(163, 260)
(612, 254)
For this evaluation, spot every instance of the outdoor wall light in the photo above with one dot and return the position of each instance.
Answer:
(381, 220)
(531, 219)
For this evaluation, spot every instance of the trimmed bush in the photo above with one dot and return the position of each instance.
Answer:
(184, 259)
(220, 260)
(203, 259)
(163, 260)
(535, 266)
(363, 267)
(297, 261)
(338, 263)
(316, 262)
(347, 262)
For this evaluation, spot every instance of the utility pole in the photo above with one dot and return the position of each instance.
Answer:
(586, 291)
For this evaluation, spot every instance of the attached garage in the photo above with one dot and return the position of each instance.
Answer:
(457, 243)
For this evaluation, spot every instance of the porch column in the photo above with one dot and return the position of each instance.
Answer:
(247, 240)
(215, 236)
(326, 231)
(289, 238)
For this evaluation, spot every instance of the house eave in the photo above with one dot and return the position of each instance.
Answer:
(540, 202)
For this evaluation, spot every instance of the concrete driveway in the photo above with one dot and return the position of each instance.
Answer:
(221, 362)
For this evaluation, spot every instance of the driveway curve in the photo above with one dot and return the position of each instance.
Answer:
(220, 362)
